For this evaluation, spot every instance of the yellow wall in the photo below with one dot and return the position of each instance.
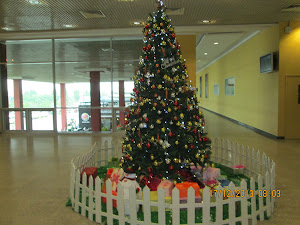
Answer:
(289, 64)
(256, 95)
(188, 50)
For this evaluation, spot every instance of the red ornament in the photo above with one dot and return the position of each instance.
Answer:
(149, 170)
(127, 156)
(173, 85)
(179, 107)
(128, 115)
(175, 118)
(170, 134)
(175, 103)
(155, 104)
(171, 167)
(178, 46)
(147, 26)
(146, 120)
(149, 47)
(144, 48)
(141, 119)
(126, 122)
(205, 156)
(195, 131)
(192, 146)
(134, 89)
(155, 95)
(173, 35)
(158, 71)
(132, 140)
(157, 65)
(146, 57)
(137, 92)
(197, 117)
(142, 79)
(148, 145)
(153, 86)
(152, 35)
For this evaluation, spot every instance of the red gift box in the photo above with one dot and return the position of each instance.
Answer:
(89, 171)
(152, 183)
(183, 189)
(109, 172)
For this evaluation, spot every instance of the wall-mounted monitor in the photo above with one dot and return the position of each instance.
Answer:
(268, 63)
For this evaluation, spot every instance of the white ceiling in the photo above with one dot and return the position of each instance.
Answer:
(236, 22)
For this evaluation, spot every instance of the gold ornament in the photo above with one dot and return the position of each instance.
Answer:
(169, 109)
(154, 25)
(133, 129)
(190, 123)
(122, 160)
(186, 146)
(153, 108)
(130, 158)
(158, 28)
(152, 139)
(158, 121)
(176, 142)
(187, 161)
(178, 123)
(181, 115)
(142, 103)
(163, 129)
(163, 43)
(179, 160)
(175, 160)
(197, 156)
(128, 146)
(152, 157)
(155, 163)
(159, 86)
(168, 161)
(139, 168)
(164, 147)
(165, 76)
(139, 146)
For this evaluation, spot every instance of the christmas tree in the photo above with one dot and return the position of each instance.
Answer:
(164, 131)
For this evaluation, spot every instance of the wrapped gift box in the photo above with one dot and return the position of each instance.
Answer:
(183, 190)
(153, 183)
(115, 177)
(167, 186)
(89, 171)
(195, 169)
(211, 173)
(153, 198)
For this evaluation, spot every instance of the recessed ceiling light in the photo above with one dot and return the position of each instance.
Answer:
(35, 2)
(205, 53)
(69, 25)
(6, 28)
(138, 23)
(206, 21)
(107, 49)
(216, 43)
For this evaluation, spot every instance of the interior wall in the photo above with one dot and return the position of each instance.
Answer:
(288, 63)
(255, 102)
(188, 50)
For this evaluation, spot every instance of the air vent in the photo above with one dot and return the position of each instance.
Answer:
(92, 14)
(175, 11)
(292, 8)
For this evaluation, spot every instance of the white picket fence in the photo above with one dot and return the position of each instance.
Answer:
(247, 209)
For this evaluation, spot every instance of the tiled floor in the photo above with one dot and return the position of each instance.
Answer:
(34, 173)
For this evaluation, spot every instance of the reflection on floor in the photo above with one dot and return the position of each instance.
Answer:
(34, 173)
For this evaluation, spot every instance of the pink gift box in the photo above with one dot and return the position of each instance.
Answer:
(195, 168)
(211, 173)
(167, 186)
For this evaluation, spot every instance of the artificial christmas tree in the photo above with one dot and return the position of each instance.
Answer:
(164, 132)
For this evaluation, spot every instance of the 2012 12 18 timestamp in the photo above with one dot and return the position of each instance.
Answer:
(244, 193)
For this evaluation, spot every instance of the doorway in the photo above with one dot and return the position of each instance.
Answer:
(292, 106)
